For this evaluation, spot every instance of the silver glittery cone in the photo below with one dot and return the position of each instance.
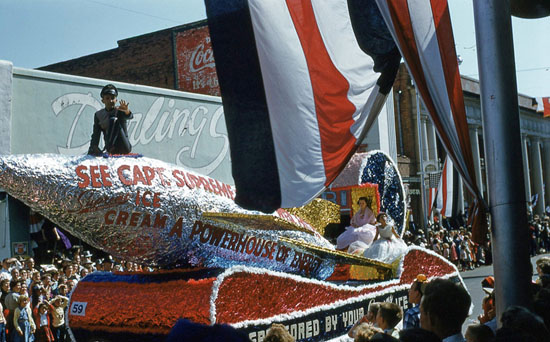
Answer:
(154, 213)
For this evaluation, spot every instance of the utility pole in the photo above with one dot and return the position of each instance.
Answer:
(501, 132)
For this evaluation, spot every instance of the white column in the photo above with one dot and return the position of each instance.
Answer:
(475, 152)
(536, 173)
(432, 141)
(425, 149)
(6, 94)
(546, 169)
(527, 177)
(460, 196)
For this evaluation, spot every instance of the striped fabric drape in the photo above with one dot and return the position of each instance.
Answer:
(301, 82)
(423, 32)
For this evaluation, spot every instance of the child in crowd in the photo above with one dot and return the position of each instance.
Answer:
(365, 332)
(369, 318)
(23, 322)
(2, 324)
(278, 333)
(42, 321)
(479, 333)
(389, 315)
(57, 309)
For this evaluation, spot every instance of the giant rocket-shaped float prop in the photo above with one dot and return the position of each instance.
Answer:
(154, 213)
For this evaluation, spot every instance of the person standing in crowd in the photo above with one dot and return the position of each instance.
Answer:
(411, 318)
(57, 310)
(42, 322)
(369, 318)
(389, 315)
(12, 302)
(479, 333)
(5, 287)
(278, 333)
(444, 308)
(23, 321)
(2, 324)
(366, 333)
(111, 121)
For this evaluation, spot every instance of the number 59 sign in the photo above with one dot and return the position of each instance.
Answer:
(78, 308)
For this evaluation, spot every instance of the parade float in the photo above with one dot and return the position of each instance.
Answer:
(218, 262)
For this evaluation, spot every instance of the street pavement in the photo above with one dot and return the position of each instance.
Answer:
(472, 280)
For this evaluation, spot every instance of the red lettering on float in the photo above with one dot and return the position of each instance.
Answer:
(156, 200)
(149, 174)
(241, 245)
(214, 186)
(177, 228)
(205, 184)
(138, 176)
(146, 199)
(104, 171)
(121, 176)
(217, 235)
(194, 179)
(190, 185)
(80, 173)
(205, 234)
(233, 243)
(160, 221)
(108, 218)
(146, 221)
(250, 246)
(180, 182)
(94, 175)
(163, 181)
(226, 237)
(134, 219)
(121, 218)
(138, 198)
(197, 229)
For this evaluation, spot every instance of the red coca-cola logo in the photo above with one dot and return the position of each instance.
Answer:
(202, 57)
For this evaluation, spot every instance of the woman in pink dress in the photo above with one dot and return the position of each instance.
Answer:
(360, 233)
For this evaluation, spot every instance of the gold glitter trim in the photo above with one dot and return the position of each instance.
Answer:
(318, 213)
(258, 222)
(357, 272)
(384, 270)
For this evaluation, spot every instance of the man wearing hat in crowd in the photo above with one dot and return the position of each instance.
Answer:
(111, 121)
(108, 264)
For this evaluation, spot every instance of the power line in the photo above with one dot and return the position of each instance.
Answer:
(132, 11)
(547, 68)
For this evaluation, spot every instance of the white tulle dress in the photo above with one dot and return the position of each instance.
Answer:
(387, 248)
(358, 237)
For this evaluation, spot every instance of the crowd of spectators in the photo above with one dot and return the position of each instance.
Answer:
(455, 243)
(34, 296)
(444, 306)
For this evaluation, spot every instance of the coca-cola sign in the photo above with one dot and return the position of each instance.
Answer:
(196, 69)
(202, 57)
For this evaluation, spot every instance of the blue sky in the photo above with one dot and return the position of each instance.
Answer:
(35, 33)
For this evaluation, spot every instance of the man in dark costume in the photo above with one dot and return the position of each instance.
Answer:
(111, 120)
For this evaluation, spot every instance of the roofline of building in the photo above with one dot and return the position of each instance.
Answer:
(122, 42)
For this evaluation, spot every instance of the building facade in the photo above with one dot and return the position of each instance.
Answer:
(181, 58)
(419, 148)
